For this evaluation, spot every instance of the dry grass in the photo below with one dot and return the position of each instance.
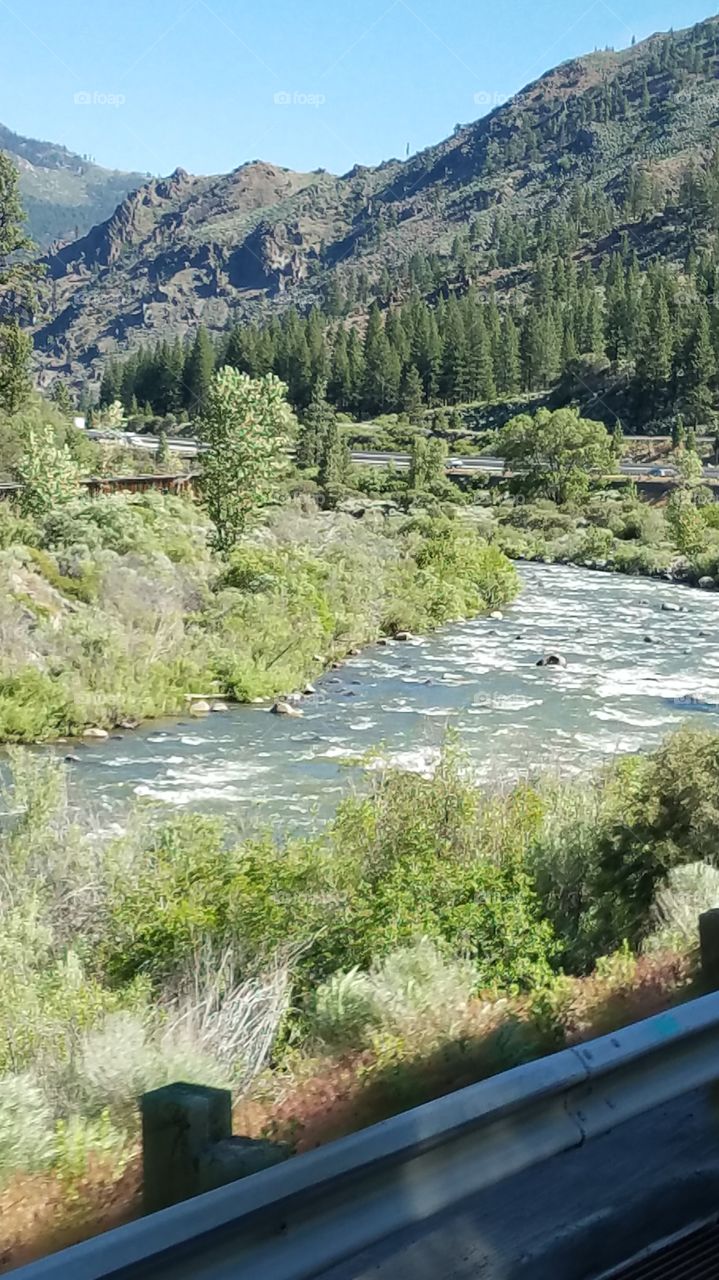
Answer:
(328, 1098)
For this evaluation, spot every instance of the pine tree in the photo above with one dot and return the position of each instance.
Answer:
(412, 392)
(61, 397)
(318, 420)
(481, 364)
(699, 368)
(618, 441)
(198, 373)
(18, 269)
(334, 465)
(340, 385)
(15, 377)
(162, 453)
(654, 359)
(509, 370)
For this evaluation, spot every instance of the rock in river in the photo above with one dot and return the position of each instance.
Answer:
(552, 660)
(100, 734)
(286, 709)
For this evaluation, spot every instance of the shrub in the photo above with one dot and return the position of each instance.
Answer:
(415, 994)
(689, 890)
(26, 1127)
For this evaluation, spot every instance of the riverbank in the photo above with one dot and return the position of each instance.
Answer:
(677, 542)
(115, 610)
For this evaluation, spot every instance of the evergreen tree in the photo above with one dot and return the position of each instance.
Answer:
(17, 274)
(18, 270)
(509, 370)
(15, 377)
(334, 465)
(412, 393)
(618, 441)
(654, 359)
(316, 424)
(61, 397)
(198, 373)
(162, 453)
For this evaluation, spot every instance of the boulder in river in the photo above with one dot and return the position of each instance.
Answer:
(649, 639)
(199, 707)
(128, 724)
(71, 759)
(552, 660)
(496, 615)
(308, 690)
(220, 706)
(670, 607)
(282, 708)
(403, 635)
(706, 583)
(100, 734)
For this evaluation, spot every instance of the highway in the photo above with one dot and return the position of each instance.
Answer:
(481, 464)
(487, 464)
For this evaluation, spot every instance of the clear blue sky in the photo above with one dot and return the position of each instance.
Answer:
(194, 82)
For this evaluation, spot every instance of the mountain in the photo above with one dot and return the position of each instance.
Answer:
(619, 128)
(64, 194)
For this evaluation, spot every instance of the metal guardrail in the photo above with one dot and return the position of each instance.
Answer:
(297, 1219)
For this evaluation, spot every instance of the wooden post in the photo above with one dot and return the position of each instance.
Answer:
(709, 947)
(179, 1122)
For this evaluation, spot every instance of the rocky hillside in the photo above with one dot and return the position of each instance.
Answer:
(187, 250)
(63, 193)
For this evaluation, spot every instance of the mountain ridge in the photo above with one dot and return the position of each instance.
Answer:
(186, 250)
(64, 193)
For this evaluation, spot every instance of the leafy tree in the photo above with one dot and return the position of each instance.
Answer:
(113, 415)
(428, 465)
(558, 452)
(48, 473)
(246, 427)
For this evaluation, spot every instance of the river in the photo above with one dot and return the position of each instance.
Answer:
(618, 693)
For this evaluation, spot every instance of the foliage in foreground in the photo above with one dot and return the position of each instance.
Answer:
(401, 931)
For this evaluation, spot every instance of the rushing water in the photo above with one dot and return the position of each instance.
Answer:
(618, 693)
